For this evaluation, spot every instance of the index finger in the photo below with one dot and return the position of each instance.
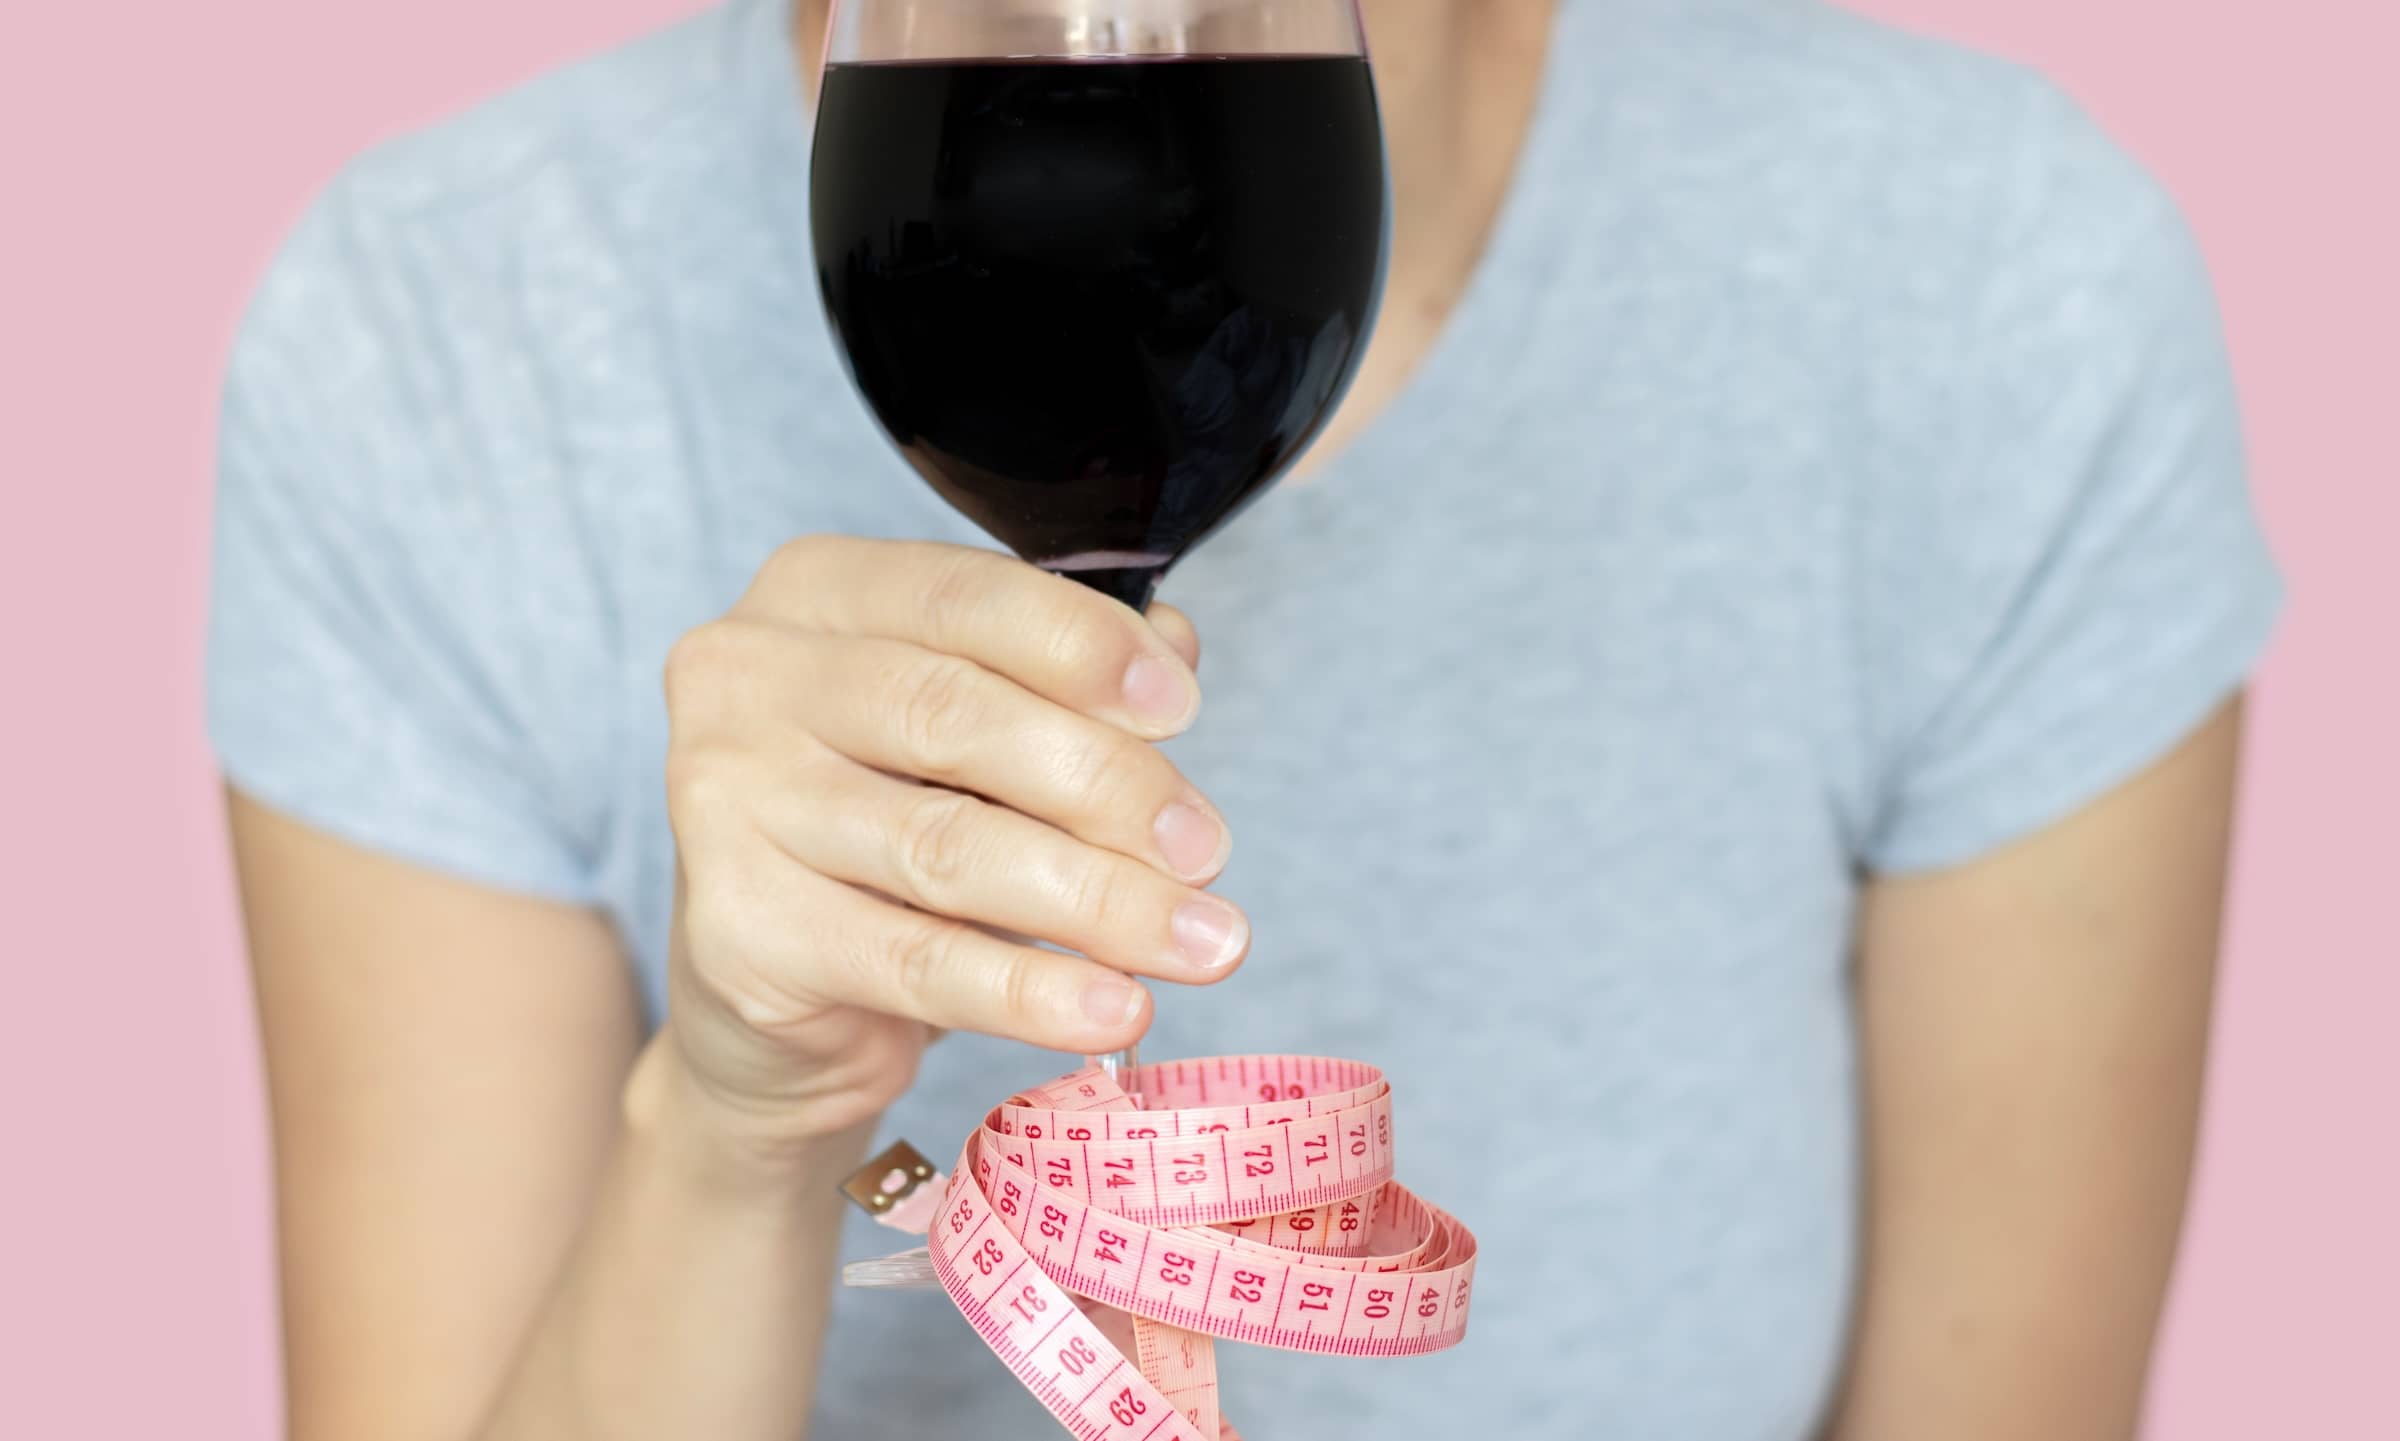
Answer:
(1062, 641)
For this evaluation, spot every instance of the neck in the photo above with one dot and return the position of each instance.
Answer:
(809, 19)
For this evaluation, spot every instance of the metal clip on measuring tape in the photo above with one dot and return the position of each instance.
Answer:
(1101, 1250)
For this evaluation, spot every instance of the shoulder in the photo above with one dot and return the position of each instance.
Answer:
(2055, 566)
(1994, 331)
(1901, 232)
(604, 117)
(1874, 143)
(412, 609)
(1949, 248)
(414, 255)
(428, 354)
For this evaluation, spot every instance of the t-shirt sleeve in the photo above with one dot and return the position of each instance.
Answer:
(345, 680)
(2084, 581)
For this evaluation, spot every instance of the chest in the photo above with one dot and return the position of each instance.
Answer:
(1527, 711)
(1554, 639)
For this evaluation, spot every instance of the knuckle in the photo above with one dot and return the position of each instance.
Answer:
(935, 844)
(696, 665)
(958, 583)
(702, 792)
(731, 954)
(1110, 774)
(714, 935)
(718, 976)
(716, 672)
(795, 559)
(920, 955)
(938, 711)
(1018, 986)
(756, 1010)
(1099, 892)
(1079, 640)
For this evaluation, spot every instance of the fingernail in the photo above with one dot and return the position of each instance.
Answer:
(1112, 1001)
(1208, 932)
(1189, 839)
(1158, 691)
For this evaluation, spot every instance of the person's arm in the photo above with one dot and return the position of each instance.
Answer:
(507, 1220)
(454, 1163)
(2035, 1026)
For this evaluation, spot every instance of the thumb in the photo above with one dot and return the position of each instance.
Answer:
(1177, 630)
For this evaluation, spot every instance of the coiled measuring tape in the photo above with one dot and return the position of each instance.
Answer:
(1101, 1250)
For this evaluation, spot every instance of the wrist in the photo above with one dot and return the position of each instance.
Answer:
(673, 1114)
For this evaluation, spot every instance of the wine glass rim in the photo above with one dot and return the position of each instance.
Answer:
(873, 32)
(1101, 57)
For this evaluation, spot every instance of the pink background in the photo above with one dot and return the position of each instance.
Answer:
(152, 154)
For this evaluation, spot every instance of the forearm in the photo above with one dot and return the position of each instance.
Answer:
(694, 1301)
(1969, 1374)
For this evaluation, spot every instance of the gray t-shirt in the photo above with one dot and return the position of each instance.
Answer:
(1834, 470)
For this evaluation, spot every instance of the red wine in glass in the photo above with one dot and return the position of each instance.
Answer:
(1102, 291)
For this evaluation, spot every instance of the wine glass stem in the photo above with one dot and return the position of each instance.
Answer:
(1121, 1067)
(1136, 587)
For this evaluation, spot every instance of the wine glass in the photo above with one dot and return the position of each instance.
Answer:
(1102, 269)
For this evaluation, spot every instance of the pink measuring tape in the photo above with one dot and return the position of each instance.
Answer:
(1102, 1250)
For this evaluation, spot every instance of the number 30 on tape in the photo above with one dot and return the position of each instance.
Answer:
(1101, 1250)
